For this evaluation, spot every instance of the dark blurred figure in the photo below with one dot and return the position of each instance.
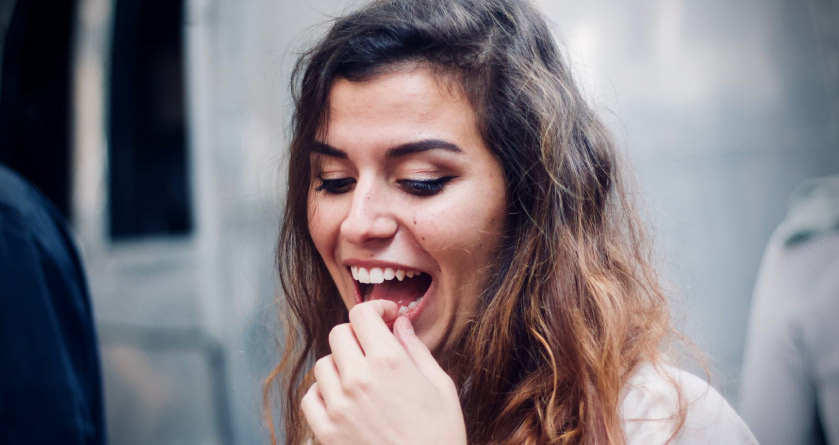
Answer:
(790, 385)
(50, 380)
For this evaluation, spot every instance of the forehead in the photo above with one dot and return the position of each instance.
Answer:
(397, 106)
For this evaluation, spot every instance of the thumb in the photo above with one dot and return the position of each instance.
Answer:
(417, 350)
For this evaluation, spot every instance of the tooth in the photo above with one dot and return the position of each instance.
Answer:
(403, 310)
(376, 275)
(389, 274)
(363, 275)
(354, 271)
(409, 274)
(400, 274)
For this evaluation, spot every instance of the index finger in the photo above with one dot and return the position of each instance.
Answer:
(370, 322)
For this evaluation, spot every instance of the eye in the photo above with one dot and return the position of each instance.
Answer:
(425, 187)
(335, 186)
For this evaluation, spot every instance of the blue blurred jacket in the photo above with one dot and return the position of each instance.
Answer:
(50, 378)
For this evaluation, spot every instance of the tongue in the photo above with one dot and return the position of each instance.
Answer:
(401, 292)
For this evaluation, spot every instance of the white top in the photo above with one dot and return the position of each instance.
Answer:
(790, 384)
(789, 390)
(650, 404)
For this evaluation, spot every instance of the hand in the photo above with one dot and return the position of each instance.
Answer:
(379, 387)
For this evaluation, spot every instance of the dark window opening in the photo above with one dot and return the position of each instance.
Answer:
(148, 174)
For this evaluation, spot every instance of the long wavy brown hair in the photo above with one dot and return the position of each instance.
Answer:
(575, 304)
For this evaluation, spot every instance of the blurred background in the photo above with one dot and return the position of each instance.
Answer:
(158, 127)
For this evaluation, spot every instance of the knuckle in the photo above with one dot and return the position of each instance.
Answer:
(339, 410)
(355, 384)
(338, 331)
(386, 360)
(358, 310)
(328, 436)
(323, 363)
(309, 397)
(325, 433)
(306, 398)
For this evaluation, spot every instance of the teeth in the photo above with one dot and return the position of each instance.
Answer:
(363, 275)
(414, 303)
(404, 309)
(376, 275)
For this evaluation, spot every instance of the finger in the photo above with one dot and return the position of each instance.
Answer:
(369, 320)
(314, 410)
(346, 351)
(417, 350)
(328, 380)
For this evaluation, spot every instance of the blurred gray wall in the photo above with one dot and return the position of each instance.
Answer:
(723, 107)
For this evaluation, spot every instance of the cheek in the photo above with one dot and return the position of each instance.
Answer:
(320, 222)
(464, 233)
(324, 222)
(313, 218)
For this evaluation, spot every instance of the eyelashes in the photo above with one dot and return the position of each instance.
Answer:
(424, 187)
(416, 187)
(335, 186)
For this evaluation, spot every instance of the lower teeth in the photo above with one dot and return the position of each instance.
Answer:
(404, 309)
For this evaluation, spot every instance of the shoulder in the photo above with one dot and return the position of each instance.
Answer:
(22, 207)
(650, 410)
(37, 248)
(28, 218)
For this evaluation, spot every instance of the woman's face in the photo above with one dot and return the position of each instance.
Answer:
(402, 185)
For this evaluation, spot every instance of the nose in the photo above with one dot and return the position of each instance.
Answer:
(370, 217)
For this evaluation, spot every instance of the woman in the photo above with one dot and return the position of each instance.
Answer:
(458, 252)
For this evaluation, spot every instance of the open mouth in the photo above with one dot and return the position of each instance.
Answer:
(406, 288)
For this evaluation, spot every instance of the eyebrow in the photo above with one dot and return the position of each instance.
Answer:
(326, 149)
(421, 146)
(394, 152)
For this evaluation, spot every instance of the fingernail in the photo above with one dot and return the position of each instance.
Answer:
(406, 326)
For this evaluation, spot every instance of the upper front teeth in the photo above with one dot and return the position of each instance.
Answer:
(377, 275)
